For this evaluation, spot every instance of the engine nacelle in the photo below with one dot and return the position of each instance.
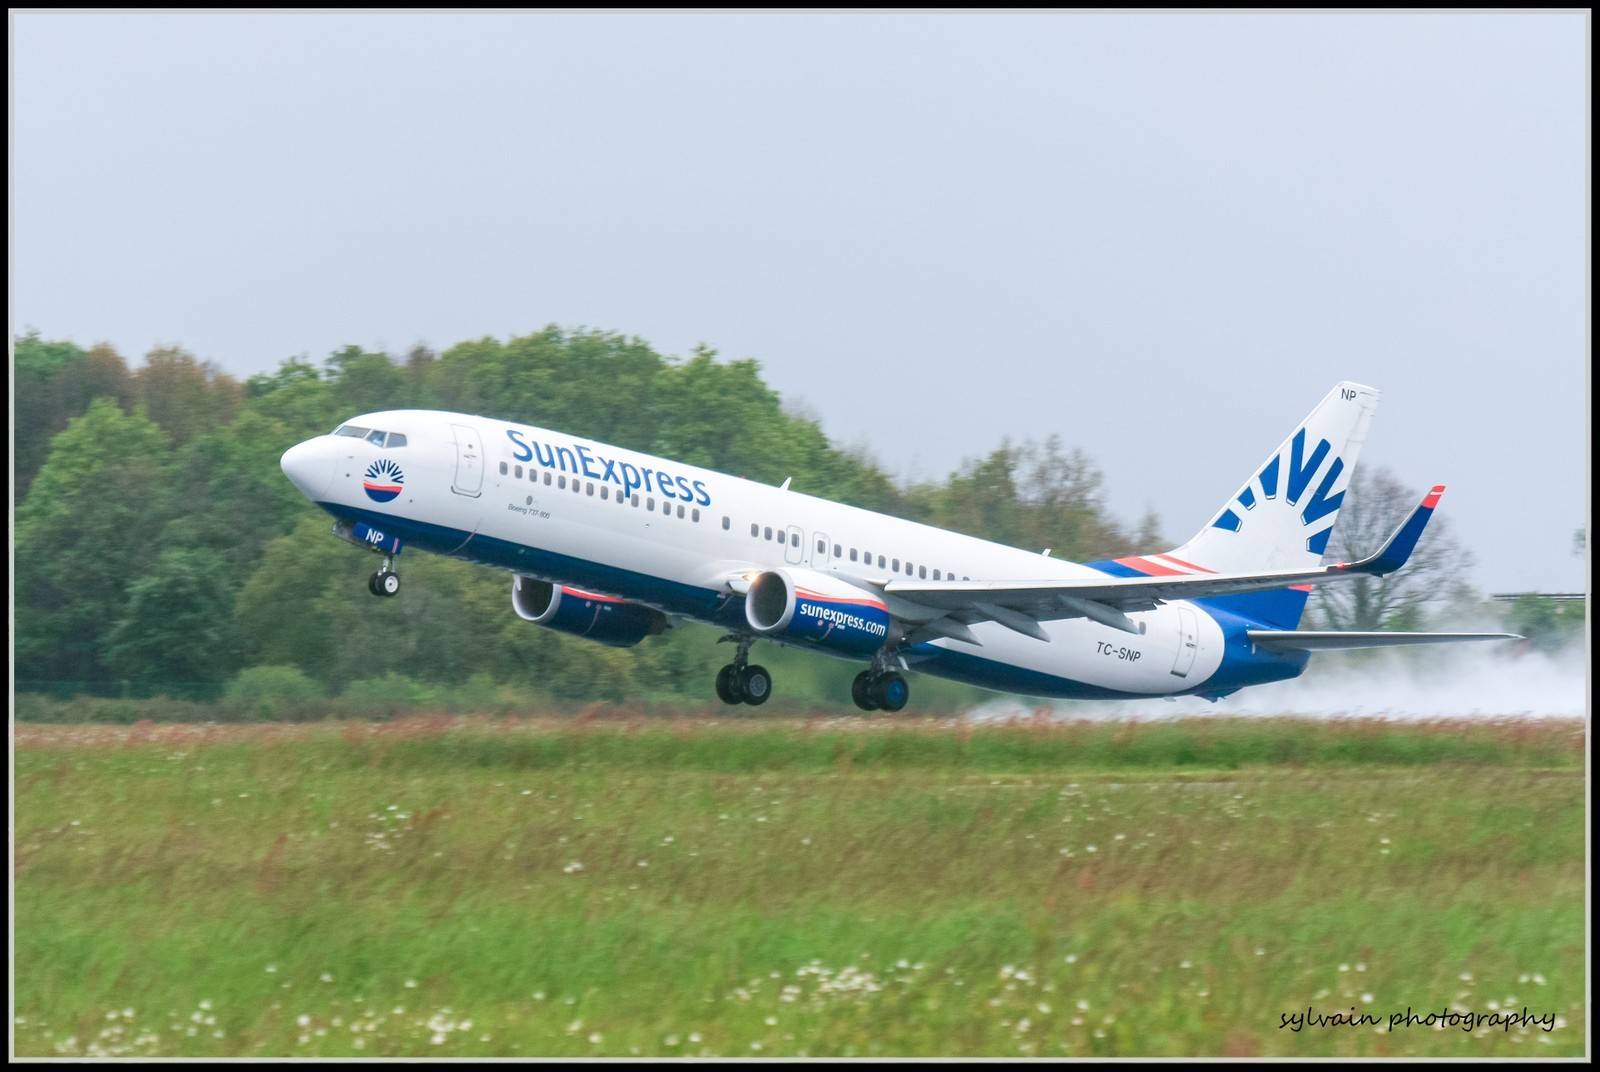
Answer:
(613, 622)
(815, 608)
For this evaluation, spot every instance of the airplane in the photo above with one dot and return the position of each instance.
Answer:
(615, 546)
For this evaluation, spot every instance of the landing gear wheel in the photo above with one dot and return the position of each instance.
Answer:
(890, 691)
(861, 691)
(728, 686)
(372, 585)
(756, 685)
(385, 583)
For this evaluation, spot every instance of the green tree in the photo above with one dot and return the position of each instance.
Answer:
(1064, 508)
(176, 635)
(235, 496)
(297, 397)
(186, 397)
(1549, 624)
(277, 608)
(982, 499)
(54, 382)
(720, 416)
(88, 529)
(366, 382)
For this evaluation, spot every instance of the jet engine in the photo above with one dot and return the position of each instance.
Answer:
(809, 607)
(609, 621)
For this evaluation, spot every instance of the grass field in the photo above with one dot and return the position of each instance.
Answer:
(615, 887)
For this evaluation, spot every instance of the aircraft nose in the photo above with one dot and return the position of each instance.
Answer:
(309, 467)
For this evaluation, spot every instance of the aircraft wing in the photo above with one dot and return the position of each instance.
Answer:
(1022, 605)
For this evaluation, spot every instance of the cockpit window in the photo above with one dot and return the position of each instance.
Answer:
(376, 436)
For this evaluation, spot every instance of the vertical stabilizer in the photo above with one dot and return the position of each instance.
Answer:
(1283, 516)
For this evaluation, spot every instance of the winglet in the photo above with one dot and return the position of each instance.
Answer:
(1394, 554)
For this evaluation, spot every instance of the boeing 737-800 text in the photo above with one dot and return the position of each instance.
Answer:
(615, 546)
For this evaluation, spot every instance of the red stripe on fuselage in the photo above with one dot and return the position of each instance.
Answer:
(1181, 562)
(1150, 567)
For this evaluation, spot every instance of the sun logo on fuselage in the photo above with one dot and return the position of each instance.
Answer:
(383, 481)
(1292, 474)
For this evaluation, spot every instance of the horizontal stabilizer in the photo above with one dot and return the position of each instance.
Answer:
(1306, 640)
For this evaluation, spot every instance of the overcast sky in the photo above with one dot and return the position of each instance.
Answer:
(1162, 237)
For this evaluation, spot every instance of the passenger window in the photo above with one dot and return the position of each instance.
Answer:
(727, 522)
(547, 480)
(577, 486)
(605, 492)
(768, 531)
(897, 565)
(852, 554)
(880, 561)
(680, 511)
(588, 489)
(922, 573)
(838, 552)
(695, 515)
(755, 530)
(936, 575)
(562, 483)
(822, 548)
(650, 503)
(503, 468)
(794, 539)
(636, 498)
(517, 471)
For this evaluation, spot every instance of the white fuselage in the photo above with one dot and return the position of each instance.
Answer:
(671, 536)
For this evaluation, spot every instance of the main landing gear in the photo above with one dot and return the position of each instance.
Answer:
(879, 690)
(386, 582)
(739, 682)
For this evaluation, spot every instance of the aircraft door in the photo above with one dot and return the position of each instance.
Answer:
(1188, 640)
(469, 461)
(794, 548)
(819, 544)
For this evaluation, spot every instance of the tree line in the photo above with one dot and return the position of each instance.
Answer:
(160, 550)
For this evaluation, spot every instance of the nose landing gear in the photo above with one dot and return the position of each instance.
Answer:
(386, 582)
